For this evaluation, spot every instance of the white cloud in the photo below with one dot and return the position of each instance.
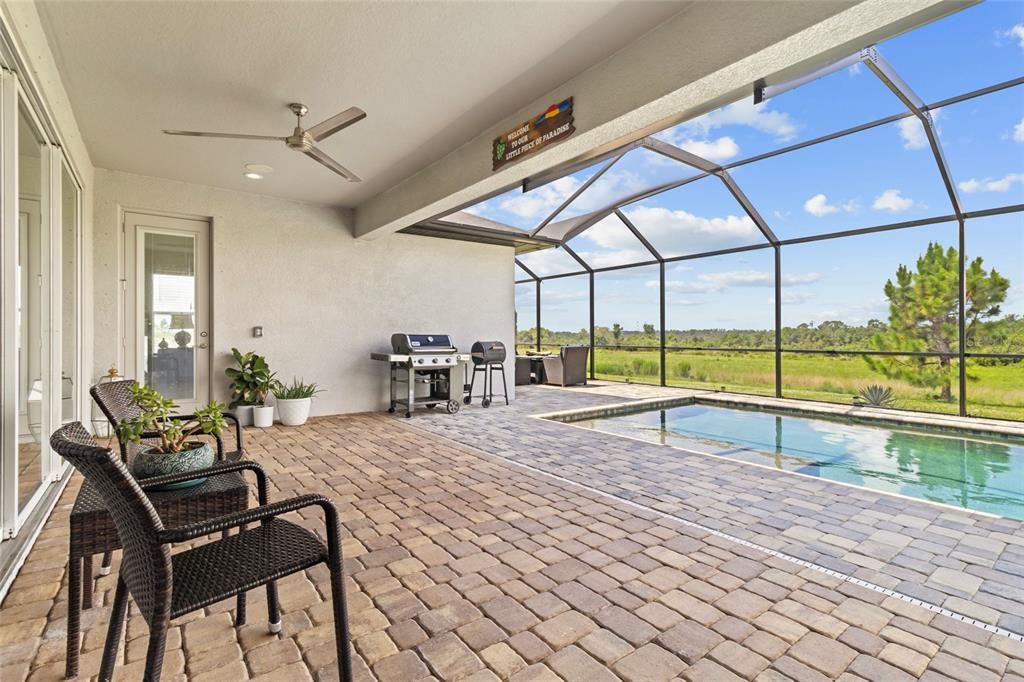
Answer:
(1018, 131)
(607, 259)
(1002, 184)
(778, 124)
(539, 203)
(1017, 32)
(912, 131)
(550, 262)
(695, 136)
(713, 282)
(855, 69)
(678, 232)
(818, 206)
(566, 296)
(611, 186)
(892, 200)
(719, 149)
(794, 299)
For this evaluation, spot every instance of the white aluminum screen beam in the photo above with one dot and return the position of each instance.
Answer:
(892, 80)
(764, 92)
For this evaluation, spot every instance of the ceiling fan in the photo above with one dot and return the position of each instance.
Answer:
(302, 139)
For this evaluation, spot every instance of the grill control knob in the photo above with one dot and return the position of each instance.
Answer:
(447, 361)
(419, 361)
(434, 361)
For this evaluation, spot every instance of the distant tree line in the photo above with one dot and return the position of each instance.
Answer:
(1008, 337)
(924, 317)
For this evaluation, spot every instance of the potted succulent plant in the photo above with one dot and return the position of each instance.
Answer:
(169, 448)
(251, 382)
(294, 401)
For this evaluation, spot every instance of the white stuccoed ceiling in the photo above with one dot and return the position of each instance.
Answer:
(430, 75)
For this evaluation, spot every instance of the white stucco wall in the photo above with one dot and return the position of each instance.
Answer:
(325, 300)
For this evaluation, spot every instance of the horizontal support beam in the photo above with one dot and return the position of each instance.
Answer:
(764, 92)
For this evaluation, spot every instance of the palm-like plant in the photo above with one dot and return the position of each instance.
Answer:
(877, 396)
(297, 390)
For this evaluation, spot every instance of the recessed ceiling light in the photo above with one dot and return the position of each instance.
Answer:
(254, 176)
(258, 167)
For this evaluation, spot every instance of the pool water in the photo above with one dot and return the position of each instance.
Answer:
(974, 473)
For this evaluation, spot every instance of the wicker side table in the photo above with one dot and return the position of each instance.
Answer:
(93, 532)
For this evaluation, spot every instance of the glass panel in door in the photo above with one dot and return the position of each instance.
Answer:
(30, 319)
(168, 310)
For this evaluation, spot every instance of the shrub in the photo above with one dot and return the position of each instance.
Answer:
(879, 396)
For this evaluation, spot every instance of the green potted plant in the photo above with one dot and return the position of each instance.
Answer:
(294, 401)
(170, 448)
(251, 381)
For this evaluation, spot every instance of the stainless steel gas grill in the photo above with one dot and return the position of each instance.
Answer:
(425, 360)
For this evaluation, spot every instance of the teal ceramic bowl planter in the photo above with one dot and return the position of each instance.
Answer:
(149, 462)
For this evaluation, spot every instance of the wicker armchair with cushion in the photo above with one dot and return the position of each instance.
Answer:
(166, 586)
(568, 368)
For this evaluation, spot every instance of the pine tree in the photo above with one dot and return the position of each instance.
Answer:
(924, 316)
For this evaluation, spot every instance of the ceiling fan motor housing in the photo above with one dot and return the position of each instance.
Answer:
(299, 140)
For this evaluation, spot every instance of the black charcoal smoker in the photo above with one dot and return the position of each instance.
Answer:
(488, 358)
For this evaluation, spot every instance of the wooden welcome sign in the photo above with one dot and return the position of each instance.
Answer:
(554, 125)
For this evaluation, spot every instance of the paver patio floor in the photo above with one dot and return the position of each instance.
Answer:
(463, 565)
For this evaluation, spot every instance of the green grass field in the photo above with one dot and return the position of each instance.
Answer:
(992, 391)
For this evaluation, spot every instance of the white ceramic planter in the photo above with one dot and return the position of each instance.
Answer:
(244, 415)
(294, 412)
(263, 416)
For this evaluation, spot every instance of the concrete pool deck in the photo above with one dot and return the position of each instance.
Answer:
(968, 563)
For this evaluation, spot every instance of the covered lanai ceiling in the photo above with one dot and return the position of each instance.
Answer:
(429, 75)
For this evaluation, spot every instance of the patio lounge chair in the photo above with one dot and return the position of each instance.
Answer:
(568, 368)
(166, 586)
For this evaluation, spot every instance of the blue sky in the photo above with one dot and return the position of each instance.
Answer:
(879, 176)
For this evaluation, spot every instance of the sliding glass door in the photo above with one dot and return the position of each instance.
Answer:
(40, 340)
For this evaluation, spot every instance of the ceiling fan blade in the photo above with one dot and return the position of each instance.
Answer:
(233, 136)
(336, 123)
(320, 157)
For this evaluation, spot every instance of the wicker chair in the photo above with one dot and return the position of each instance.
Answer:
(166, 586)
(568, 368)
(115, 401)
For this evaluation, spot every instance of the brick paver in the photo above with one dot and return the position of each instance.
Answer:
(966, 562)
(461, 566)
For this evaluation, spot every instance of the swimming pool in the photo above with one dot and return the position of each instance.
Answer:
(966, 471)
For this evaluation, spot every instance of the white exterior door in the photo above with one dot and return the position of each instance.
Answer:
(167, 310)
